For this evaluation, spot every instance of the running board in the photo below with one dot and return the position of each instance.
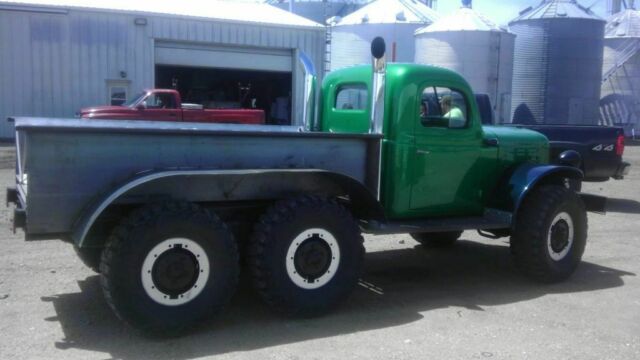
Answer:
(493, 219)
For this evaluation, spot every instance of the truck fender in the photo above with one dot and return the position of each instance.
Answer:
(228, 185)
(526, 177)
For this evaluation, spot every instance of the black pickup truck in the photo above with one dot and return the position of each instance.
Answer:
(600, 147)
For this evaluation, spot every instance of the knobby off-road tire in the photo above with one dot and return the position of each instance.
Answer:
(90, 257)
(438, 239)
(168, 267)
(306, 255)
(550, 234)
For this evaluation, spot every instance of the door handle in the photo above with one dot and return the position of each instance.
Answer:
(493, 142)
(423, 152)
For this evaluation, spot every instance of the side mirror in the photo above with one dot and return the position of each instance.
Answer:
(141, 106)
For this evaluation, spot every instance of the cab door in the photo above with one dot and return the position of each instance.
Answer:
(447, 171)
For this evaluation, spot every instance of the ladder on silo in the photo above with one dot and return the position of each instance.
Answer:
(625, 52)
(618, 111)
(327, 34)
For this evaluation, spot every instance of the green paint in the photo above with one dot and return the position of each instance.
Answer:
(431, 171)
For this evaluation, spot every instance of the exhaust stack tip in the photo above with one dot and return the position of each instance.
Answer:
(378, 47)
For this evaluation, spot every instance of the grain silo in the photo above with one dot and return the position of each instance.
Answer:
(620, 104)
(477, 48)
(558, 64)
(394, 20)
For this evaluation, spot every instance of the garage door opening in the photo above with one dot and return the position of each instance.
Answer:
(227, 88)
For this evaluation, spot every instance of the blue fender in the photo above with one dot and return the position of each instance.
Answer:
(527, 176)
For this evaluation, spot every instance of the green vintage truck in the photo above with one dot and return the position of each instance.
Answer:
(167, 212)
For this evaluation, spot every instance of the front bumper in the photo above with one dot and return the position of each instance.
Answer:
(622, 170)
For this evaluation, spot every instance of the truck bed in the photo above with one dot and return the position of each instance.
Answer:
(64, 165)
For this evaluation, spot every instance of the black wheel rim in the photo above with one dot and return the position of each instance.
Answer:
(312, 258)
(175, 271)
(559, 236)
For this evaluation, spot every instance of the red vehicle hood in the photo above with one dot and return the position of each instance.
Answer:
(90, 111)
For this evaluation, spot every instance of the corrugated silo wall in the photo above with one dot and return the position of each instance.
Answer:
(484, 58)
(557, 71)
(351, 44)
(54, 64)
(619, 103)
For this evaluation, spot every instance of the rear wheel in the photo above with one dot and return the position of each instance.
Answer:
(168, 267)
(437, 239)
(550, 234)
(306, 255)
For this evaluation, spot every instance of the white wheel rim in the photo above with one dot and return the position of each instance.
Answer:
(330, 272)
(150, 260)
(557, 256)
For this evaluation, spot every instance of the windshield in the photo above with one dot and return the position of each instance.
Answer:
(134, 99)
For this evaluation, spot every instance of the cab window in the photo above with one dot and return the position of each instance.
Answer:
(351, 97)
(443, 107)
(160, 101)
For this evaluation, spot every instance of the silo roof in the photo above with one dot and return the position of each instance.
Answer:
(623, 24)
(251, 12)
(391, 12)
(557, 9)
(464, 19)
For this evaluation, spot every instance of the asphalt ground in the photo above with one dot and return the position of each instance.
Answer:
(468, 302)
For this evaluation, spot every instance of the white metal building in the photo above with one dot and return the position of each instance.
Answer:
(471, 44)
(395, 20)
(57, 56)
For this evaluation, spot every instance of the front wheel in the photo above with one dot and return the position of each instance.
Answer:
(306, 255)
(550, 234)
(168, 267)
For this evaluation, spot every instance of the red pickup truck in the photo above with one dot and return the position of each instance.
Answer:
(166, 105)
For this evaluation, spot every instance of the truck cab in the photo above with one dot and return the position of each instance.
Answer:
(437, 157)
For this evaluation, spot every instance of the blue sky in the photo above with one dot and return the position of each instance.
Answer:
(502, 11)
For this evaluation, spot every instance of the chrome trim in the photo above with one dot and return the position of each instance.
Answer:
(378, 87)
(308, 106)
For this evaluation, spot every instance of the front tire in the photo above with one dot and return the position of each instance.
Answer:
(168, 267)
(306, 255)
(550, 234)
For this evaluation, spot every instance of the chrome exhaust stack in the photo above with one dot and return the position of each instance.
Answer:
(308, 106)
(378, 48)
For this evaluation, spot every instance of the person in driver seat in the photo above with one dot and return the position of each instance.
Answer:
(452, 112)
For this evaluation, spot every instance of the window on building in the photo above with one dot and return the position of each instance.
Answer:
(117, 95)
(443, 107)
(117, 91)
(351, 97)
